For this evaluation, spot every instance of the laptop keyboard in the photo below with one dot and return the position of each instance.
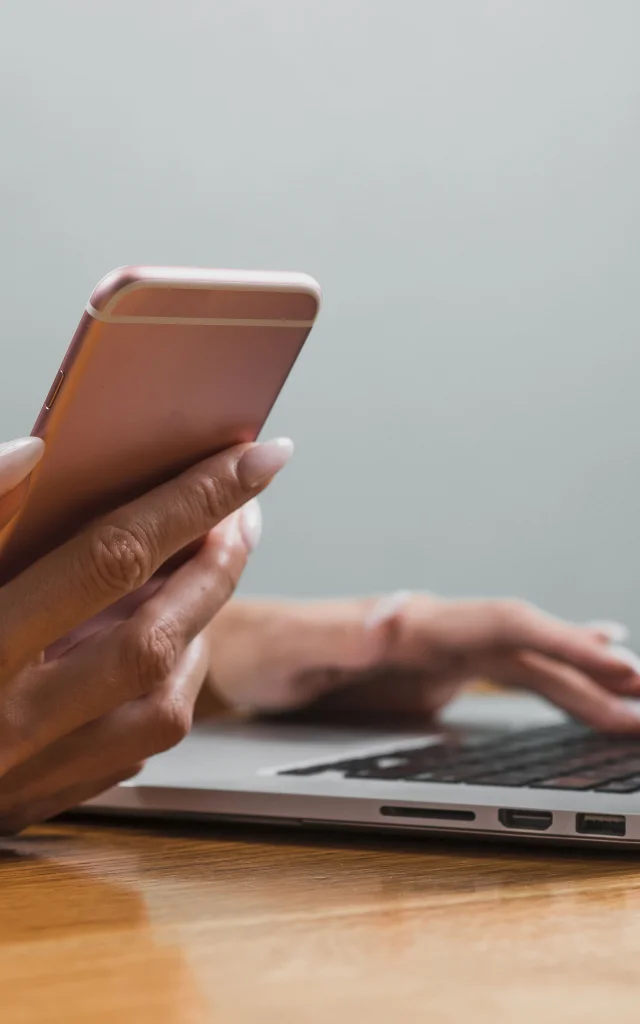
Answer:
(554, 757)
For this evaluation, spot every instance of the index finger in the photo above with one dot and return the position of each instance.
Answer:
(475, 628)
(121, 551)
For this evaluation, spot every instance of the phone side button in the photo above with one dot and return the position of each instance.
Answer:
(55, 390)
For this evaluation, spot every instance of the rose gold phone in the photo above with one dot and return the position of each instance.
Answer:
(167, 367)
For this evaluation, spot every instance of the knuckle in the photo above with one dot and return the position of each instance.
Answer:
(513, 612)
(119, 561)
(171, 720)
(228, 579)
(226, 560)
(150, 654)
(214, 497)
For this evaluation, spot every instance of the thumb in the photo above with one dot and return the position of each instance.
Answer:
(17, 460)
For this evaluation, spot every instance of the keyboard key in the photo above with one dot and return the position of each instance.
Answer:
(630, 785)
(624, 767)
(566, 782)
(373, 772)
(523, 778)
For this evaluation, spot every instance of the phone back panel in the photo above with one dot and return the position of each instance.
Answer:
(167, 367)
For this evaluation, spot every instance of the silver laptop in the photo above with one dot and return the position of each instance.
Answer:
(497, 767)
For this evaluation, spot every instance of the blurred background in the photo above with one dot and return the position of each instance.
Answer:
(462, 178)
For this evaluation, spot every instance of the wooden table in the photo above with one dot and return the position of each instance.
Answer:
(190, 924)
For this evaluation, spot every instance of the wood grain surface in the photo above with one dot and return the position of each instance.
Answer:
(107, 923)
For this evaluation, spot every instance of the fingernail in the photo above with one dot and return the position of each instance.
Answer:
(17, 459)
(262, 461)
(615, 632)
(385, 609)
(251, 523)
(626, 656)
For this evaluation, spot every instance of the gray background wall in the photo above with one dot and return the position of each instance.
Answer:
(461, 176)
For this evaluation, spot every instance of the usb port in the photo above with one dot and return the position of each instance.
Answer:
(601, 824)
(537, 821)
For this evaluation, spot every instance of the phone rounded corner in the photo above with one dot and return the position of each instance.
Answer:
(305, 284)
(315, 290)
(111, 285)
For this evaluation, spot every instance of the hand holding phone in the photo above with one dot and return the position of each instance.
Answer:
(103, 650)
(125, 651)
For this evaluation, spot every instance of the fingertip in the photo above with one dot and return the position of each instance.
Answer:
(622, 719)
(615, 714)
(626, 657)
(22, 444)
(262, 461)
(613, 660)
(18, 459)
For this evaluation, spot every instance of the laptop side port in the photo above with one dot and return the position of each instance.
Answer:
(532, 821)
(601, 824)
(432, 813)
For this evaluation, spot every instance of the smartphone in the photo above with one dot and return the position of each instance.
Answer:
(167, 367)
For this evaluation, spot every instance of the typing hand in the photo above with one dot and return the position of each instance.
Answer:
(409, 654)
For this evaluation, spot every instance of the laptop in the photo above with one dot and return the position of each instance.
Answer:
(496, 767)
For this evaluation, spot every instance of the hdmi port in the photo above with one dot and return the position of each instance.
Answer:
(537, 821)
